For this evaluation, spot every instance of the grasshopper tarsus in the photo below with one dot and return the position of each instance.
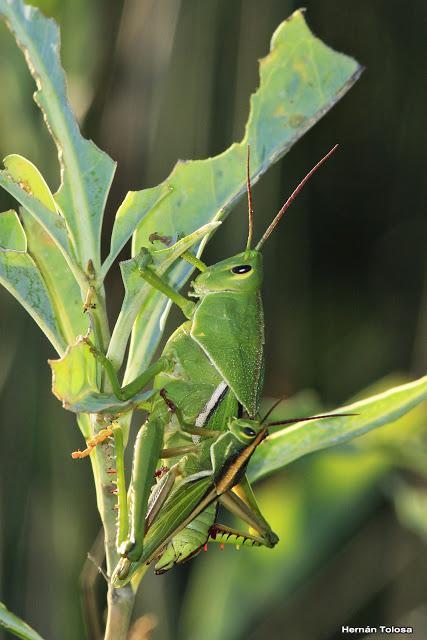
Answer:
(99, 438)
(169, 403)
(166, 240)
(159, 473)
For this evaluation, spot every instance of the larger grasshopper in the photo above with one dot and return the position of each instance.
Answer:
(211, 366)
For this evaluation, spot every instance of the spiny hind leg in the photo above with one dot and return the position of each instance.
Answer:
(256, 521)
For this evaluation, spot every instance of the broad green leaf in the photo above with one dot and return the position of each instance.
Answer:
(129, 216)
(63, 288)
(25, 172)
(52, 222)
(287, 445)
(86, 171)
(403, 443)
(12, 235)
(15, 625)
(300, 80)
(75, 381)
(20, 276)
(136, 293)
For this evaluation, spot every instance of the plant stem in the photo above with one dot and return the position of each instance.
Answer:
(120, 606)
(119, 601)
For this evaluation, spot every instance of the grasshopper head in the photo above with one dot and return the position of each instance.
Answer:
(241, 273)
(247, 431)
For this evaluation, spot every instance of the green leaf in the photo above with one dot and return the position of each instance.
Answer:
(75, 382)
(287, 445)
(20, 276)
(86, 171)
(128, 217)
(63, 288)
(300, 80)
(136, 293)
(16, 626)
(12, 235)
(25, 172)
(53, 223)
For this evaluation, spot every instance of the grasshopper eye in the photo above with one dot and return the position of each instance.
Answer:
(242, 268)
(248, 431)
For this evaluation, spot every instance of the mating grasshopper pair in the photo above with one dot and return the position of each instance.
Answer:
(203, 416)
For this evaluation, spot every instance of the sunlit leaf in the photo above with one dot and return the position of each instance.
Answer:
(129, 216)
(19, 275)
(25, 172)
(300, 80)
(293, 442)
(63, 288)
(75, 383)
(15, 625)
(86, 170)
(12, 235)
(52, 222)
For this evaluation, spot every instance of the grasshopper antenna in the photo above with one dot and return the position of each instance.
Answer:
(292, 197)
(250, 207)
(272, 408)
(325, 415)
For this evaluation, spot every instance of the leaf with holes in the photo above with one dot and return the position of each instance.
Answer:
(300, 80)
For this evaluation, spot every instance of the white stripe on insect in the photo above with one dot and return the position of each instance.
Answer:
(209, 407)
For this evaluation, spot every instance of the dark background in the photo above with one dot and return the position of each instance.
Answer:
(344, 294)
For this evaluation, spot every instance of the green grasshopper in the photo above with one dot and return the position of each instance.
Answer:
(207, 474)
(213, 360)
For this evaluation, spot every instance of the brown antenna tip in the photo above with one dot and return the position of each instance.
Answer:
(292, 197)
(250, 207)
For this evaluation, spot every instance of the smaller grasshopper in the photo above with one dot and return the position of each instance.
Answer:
(207, 474)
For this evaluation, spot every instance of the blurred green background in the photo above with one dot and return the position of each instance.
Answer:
(345, 301)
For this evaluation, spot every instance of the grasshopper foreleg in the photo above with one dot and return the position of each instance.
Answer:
(187, 428)
(128, 391)
(150, 276)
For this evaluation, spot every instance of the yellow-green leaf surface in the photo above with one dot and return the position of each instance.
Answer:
(300, 80)
(15, 625)
(287, 445)
(21, 277)
(86, 171)
(51, 222)
(25, 172)
(63, 288)
(12, 235)
(75, 383)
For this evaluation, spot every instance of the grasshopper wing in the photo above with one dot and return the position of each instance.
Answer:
(229, 327)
